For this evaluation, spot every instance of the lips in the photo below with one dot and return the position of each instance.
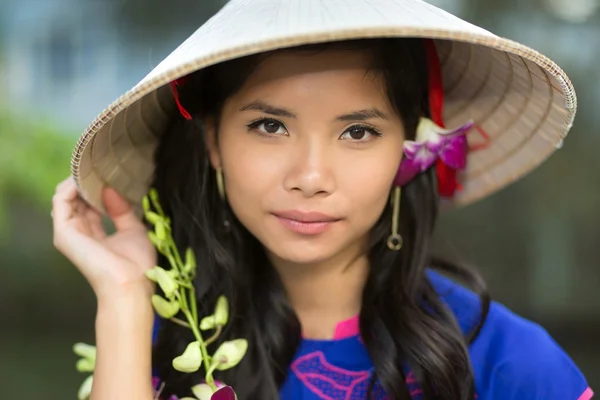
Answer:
(306, 223)
(305, 217)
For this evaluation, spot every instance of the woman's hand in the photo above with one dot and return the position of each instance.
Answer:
(114, 264)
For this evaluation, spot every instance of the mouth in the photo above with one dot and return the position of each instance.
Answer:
(306, 223)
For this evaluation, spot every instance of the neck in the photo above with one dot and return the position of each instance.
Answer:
(325, 293)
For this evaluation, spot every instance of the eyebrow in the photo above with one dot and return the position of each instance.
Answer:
(360, 115)
(268, 109)
(363, 115)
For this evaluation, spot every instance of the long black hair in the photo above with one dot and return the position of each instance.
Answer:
(403, 321)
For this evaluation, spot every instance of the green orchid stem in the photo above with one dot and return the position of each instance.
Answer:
(153, 195)
(210, 381)
(194, 305)
(184, 284)
(215, 336)
(186, 295)
(180, 322)
(198, 336)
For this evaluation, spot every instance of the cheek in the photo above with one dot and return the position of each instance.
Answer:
(250, 176)
(366, 182)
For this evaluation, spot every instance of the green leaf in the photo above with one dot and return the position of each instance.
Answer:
(85, 365)
(229, 354)
(165, 308)
(208, 323)
(84, 350)
(221, 311)
(85, 390)
(190, 360)
(166, 282)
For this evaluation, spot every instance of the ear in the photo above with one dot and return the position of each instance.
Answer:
(212, 143)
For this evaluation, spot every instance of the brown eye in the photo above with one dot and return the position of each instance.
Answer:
(360, 133)
(357, 133)
(271, 126)
(268, 127)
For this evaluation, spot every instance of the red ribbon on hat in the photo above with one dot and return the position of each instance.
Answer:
(174, 87)
(447, 182)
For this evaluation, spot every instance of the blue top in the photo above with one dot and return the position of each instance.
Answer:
(512, 358)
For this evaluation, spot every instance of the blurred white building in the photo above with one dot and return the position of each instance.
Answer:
(65, 59)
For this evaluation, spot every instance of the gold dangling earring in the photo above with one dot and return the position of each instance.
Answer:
(220, 183)
(394, 241)
(221, 190)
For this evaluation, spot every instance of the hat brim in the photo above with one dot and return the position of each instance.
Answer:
(519, 97)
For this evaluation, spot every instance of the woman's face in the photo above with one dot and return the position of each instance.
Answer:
(309, 148)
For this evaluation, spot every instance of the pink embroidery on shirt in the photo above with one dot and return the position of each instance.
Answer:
(328, 381)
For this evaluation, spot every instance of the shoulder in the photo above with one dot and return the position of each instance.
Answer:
(512, 357)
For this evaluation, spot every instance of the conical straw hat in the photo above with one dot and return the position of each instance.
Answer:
(523, 100)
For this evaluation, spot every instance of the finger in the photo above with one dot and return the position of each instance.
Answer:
(63, 201)
(94, 220)
(119, 210)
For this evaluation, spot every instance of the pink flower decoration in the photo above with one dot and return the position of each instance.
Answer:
(432, 143)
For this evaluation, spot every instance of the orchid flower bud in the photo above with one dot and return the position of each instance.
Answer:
(165, 308)
(229, 354)
(221, 311)
(190, 360)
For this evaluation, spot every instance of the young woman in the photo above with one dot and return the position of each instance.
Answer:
(299, 151)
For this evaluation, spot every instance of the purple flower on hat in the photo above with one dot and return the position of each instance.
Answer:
(433, 143)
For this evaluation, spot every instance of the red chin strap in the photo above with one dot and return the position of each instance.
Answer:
(447, 182)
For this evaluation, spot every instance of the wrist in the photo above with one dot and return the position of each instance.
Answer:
(132, 292)
(132, 306)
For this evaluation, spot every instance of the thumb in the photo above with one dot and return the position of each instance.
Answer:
(119, 210)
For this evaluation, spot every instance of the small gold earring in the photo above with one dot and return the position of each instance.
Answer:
(394, 241)
(220, 183)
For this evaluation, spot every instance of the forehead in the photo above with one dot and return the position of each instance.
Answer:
(315, 73)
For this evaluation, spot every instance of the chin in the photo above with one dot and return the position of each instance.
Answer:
(303, 253)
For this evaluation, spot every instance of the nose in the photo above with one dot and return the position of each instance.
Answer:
(309, 169)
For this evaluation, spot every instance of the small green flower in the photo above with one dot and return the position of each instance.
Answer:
(85, 365)
(84, 350)
(85, 390)
(208, 323)
(190, 261)
(229, 354)
(190, 360)
(165, 280)
(165, 308)
(221, 311)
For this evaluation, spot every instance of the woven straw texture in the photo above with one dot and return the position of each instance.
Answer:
(523, 100)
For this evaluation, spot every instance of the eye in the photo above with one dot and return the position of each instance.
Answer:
(360, 133)
(268, 126)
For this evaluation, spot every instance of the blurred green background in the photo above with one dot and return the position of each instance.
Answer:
(62, 61)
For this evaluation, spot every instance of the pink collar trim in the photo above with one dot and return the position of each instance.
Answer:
(344, 329)
(347, 328)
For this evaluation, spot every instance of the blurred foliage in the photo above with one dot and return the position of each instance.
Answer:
(34, 157)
